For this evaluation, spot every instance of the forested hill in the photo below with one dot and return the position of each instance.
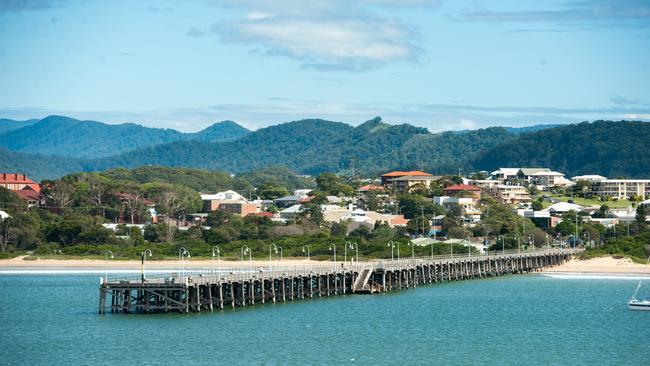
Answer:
(315, 146)
(64, 136)
(607, 148)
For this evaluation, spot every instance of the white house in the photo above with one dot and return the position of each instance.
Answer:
(563, 207)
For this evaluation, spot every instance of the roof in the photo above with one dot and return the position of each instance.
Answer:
(4, 215)
(292, 209)
(28, 194)
(371, 187)
(462, 187)
(289, 198)
(410, 174)
(588, 177)
(546, 173)
(414, 177)
(529, 171)
(506, 171)
(264, 214)
(18, 178)
(563, 207)
(226, 195)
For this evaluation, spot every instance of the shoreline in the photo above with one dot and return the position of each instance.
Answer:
(595, 266)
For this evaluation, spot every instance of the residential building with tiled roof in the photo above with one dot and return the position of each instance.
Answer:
(17, 181)
(402, 182)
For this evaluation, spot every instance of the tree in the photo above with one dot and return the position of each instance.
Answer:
(271, 191)
(418, 225)
(537, 206)
(641, 213)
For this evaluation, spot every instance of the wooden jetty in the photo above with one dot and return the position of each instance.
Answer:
(208, 290)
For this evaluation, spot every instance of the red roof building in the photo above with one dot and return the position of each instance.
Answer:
(370, 187)
(30, 196)
(463, 189)
(16, 182)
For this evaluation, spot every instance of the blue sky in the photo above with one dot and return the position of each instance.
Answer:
(439, 64)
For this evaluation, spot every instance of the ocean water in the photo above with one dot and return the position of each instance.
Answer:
(517, 320)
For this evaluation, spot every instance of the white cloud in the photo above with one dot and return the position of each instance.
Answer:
(467, 124)
(323, 34)
(635, 116)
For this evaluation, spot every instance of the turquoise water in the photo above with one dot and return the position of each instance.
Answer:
(530, 320)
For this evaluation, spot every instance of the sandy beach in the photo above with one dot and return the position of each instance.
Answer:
(52, 264)
(601, 265)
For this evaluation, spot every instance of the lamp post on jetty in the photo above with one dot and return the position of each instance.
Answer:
(392, 250)
(217, 251)
(412, 244)
(345, 250)
(333, 247)
(308, 254)
(106, 266)
(355, 246)
(144, 260)
(271, 247)
(246, 250)
(182, 253)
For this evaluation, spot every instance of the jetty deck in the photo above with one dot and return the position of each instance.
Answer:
(217, 289)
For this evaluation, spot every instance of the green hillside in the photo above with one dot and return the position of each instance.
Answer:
(608, 148)
(64, 136)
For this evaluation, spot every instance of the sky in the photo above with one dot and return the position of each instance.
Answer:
(439, 64)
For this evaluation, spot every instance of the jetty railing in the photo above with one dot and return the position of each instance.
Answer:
(199, 289)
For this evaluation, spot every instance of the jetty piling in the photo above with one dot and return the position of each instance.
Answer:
(207, 290)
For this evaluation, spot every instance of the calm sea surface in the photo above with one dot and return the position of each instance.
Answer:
(518, 320)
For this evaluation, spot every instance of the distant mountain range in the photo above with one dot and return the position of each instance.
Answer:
(64, 136)
(65, 145)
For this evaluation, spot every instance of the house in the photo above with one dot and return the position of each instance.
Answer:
(370, 188)
(463, 190)
(527, 174)
(562, 207)
(230, 202)
(291, 213)
(32, 197)
(436, 224)
(510, 193)
(288, 201)
(484, 183)
(302, 192)
(333, 213)
(546, 179)
(541, 219)
(465, 206)
(588, 178)
(504, 174)
(402, 182)
(622, 188)
(17, 182)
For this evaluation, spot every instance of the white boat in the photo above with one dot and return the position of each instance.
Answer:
(636, 304)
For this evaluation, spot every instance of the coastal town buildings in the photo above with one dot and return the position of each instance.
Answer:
(622, 188)
(230, 202)
(510, 194)
(402, 182)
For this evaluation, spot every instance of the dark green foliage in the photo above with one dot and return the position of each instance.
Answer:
(316, 146)
(278, 176)
(603, 147)
(331, 184)
(64, 136)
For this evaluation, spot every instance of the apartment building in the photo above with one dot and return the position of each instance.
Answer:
(510, 193)
(622, 188)
(402, 182)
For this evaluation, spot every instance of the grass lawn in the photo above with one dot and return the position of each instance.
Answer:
(590, 201)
